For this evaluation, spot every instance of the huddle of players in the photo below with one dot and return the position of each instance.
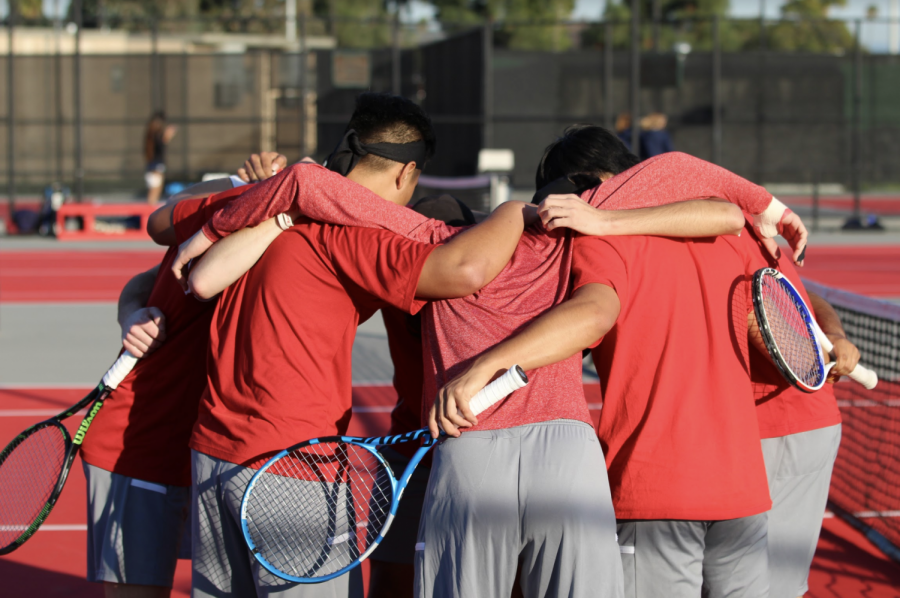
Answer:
(523, 492)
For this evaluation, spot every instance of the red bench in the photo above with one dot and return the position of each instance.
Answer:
(89, 212)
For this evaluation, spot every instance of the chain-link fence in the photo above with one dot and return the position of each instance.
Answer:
(790, 102)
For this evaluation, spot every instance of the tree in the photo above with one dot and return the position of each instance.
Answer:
(809, 30)
(525, 24)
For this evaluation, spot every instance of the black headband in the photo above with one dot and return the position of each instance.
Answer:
(574, 183)
(350, 150)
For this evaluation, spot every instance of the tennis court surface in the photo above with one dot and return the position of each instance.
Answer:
(58, 334)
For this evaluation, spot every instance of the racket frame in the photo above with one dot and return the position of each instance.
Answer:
(862, 375)
(96, 396)
(769, 337)
(397, 488)
(95, 399)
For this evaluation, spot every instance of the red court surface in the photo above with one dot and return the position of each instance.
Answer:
(882, 205)
(53, 562)
(69, 276)
(872, 270)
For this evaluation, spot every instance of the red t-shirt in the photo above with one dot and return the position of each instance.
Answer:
(144, 427)
(781, 408)
(282, 337)
(678, 424)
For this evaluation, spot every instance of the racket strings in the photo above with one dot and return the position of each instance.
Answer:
(315, 511)
(28, 476)
(791, 333)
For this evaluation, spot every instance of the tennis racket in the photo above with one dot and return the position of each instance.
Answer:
(793, 338)
(319, 508)
(35, 465)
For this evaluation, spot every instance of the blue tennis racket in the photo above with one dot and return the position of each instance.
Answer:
(319, 508)
(793, 338)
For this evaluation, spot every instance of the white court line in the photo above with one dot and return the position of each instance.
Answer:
(869, 403)
(64, 527)
(58, 527)
(45, 386)
(869, 514)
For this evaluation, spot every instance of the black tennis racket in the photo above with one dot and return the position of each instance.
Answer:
(792, 337)
(35, 465)
(319, 508)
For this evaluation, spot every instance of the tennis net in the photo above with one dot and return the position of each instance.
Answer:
(865, 485)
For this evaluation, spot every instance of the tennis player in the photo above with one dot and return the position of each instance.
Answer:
(678, 428)
(392, 565)
(800, 436)
(136, 458)
(280, 347)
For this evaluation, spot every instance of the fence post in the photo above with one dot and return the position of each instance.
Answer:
(857, 123)
(656, 9)
(761, 101)
(635, 77)
(154, 63)
(185, 109)
(815, 200)
(488, 77)
(395, 52)
(57, 67)
(304, 88)
(608, 114)
(716, 93)
(79, 158)
(11, 110)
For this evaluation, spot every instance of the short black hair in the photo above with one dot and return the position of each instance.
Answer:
(584, 149)
(386, 118)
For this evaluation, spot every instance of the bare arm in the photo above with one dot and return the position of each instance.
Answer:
(560, 333)
(846, 354)
(228, 259)
(160, 226)
(696, 218)
(475, 257)
(143, 328)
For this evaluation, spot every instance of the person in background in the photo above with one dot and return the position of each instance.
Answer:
(655, 139)
(156, 137)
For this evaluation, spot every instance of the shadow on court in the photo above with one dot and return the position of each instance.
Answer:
(846, 564)
(20, 579)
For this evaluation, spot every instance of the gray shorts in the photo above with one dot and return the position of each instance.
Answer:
(399, 545)
(222, 563)
(799, 470)
(689, 559)
(534, 497)
(137, 530)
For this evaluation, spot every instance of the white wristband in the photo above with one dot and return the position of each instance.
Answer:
(284, 221)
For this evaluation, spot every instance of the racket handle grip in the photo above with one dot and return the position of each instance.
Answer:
(119, 370)
(861, 375)
(864, 376)
(502, 387)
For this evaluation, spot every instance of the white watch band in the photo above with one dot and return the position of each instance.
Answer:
(284, 221)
